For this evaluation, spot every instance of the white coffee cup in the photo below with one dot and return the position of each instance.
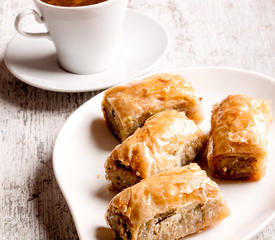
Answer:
(87, 38)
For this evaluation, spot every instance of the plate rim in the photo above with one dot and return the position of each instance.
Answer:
(89, 89)
(195, 68)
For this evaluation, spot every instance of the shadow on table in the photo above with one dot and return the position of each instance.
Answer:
(51, 209)
(27, 97)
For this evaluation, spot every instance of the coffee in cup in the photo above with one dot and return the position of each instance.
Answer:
(72, 3)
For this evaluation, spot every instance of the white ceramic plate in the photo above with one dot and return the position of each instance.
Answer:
(145, 42)
(84, 143)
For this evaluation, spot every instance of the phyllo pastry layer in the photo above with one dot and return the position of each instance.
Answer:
(170, 205)
(238, 138)
(127, 107)
(167, 140)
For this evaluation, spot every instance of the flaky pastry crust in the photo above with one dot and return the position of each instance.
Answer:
(160, 193)
(127, 107)
(239, 127)
(167, 140)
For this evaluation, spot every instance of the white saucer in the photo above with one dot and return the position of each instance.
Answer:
(145, 42)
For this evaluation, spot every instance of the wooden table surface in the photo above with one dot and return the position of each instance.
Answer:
(235, 33)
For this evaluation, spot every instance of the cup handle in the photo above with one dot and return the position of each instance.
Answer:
(37, 17)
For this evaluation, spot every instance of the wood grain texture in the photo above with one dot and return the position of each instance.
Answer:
(203, 32)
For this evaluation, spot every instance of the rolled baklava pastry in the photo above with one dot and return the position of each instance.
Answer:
(238, 138)
(170, 206)
(167, 140)
(127, 107)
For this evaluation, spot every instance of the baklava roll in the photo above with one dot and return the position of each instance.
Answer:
(170, 206)
(238, 138)
(127, 107)
(167, 140)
